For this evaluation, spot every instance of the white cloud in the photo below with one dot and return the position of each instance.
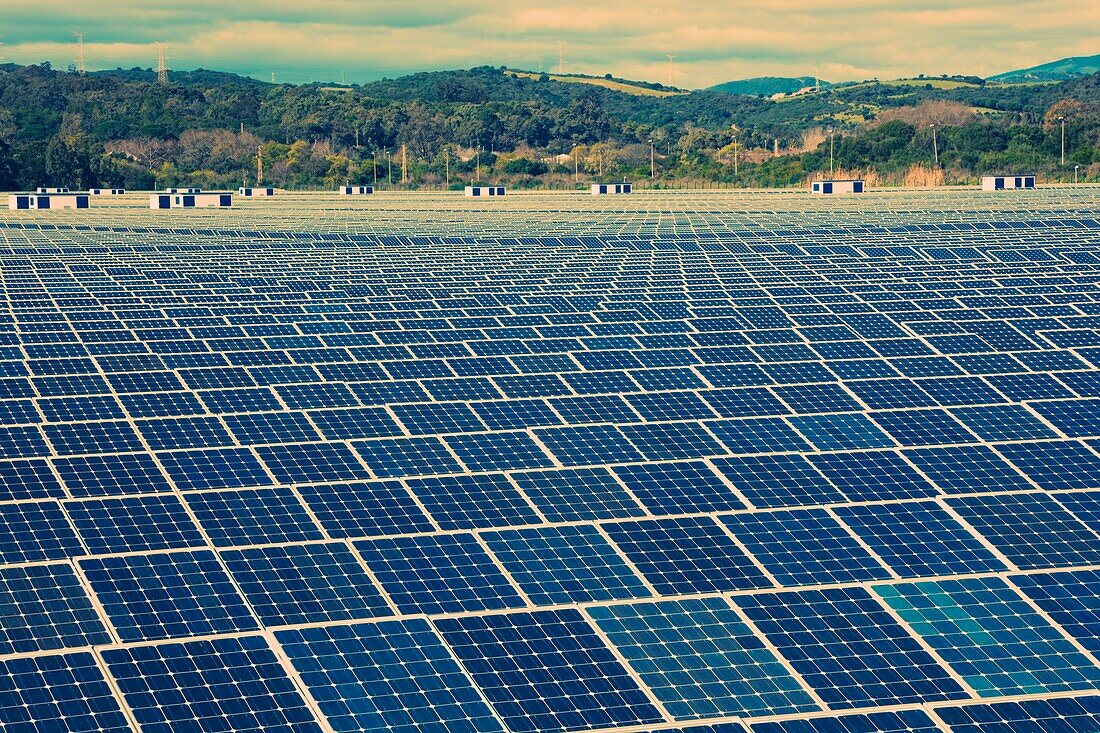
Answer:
(714, 40)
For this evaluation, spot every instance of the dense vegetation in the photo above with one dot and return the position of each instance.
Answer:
(206, 128)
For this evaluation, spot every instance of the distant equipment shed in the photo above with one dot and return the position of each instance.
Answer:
(478, 191)
(604, 189)
(254, 192)
(835, 187)
(106, 191)
(28, 201)
(190, 200)
(356, 190)
(1001, 183)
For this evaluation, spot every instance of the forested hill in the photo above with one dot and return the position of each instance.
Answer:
(124, 128)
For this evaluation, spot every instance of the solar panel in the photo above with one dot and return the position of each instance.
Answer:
(701, 660)
(221, 684)
(699, 461)
(580, 684)
(391, 675)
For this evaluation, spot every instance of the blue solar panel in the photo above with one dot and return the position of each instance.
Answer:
(679, 488)
(45, 607)
(902, 721)
(392, 675)
(919, 539)
(440, 415)
(580, 685)
(805, 547)
(301, 584)
(1055, 715)
(226, 684)
(58, 692)
(166, 595)
(688, 555)
(133, 524)
(36, 531)
(992, 638)
(438, 574)
(562, 565)
(701, 660)
(1070, 598)
(848, 648)
(1032, 530)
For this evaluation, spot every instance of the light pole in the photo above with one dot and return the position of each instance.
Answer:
(1063, 121)
(935, 147)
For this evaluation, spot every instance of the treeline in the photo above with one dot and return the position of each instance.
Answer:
(206, 128)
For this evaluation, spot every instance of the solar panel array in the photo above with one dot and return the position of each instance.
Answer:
(688, 461)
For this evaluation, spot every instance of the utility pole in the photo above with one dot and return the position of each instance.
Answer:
(1075, 169)
(357, 138)
(652, 161)
(80, 68)
(389, 167)
(576, 166)
(447, 164)
(1063, 121)
(374, 164)
(478, 162)
(831, 135)
(259, 165)
(162, 63)
(404, 163)
(935, 147)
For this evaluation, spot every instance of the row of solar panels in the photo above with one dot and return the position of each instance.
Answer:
(752, 655)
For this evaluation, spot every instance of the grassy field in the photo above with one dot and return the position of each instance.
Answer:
(599, 82)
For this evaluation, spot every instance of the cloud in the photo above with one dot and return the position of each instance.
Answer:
(713, 40)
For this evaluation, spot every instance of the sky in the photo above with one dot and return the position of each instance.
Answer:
(712, 40)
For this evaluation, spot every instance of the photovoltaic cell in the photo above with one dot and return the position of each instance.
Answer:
(225, 684)
(995, 641)
(848, 648)
(391, 675)
(442, 573)
(58, 692)
(700, 659)
(166, 595)
(580, 684)
(562, 565)
(301, 584)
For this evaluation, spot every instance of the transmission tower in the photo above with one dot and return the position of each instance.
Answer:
(671, 70)
(561, 57)
(80, 68)
(162, 62)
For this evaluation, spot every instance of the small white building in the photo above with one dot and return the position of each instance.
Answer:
(356, 190)
(1001, 183)
(29, 201)
(603, 189)
(476, 191)
(190, 200)
(833, 187)
(250, 192)
(47, 189)
(182, 190)
(107, 191)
